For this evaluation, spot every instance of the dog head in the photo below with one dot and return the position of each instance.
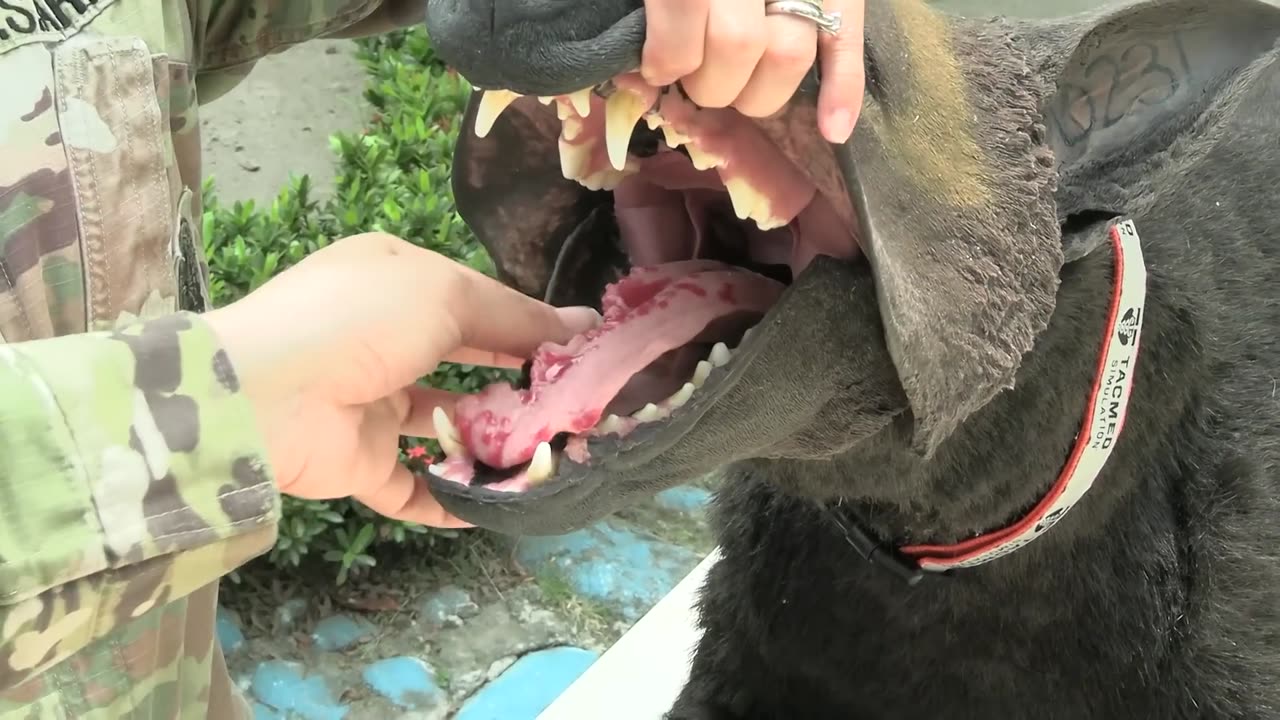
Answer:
(769, 296)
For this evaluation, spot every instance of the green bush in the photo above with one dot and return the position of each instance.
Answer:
(392, 177)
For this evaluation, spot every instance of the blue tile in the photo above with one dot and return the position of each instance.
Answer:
(529, 686)
(339, 632)
(229, 635)
(611, 564)
(264, 712)
(405, 681)
(687, 499)
(281, 686)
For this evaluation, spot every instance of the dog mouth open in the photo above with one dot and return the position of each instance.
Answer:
(713, 215)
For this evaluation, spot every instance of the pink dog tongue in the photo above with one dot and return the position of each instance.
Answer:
(646, 314)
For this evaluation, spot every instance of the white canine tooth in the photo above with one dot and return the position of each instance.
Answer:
(720, 355)
(648, 413)
(653, 120)
(492, 103)
(701, 373)
(621, 113)
(682, 395)
(543, 464)
(745, 199)
(546, 99)
(700, 158)
(746, 335)
(447, 434)
(581, 101)
(563, 110)
(573, 159)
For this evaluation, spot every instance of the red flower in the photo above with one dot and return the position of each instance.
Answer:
(416, 451)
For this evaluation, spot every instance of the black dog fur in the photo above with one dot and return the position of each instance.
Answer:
(1158, 596)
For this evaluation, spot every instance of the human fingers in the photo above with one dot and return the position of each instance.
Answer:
(405, 497)
(735, 42)
(483, 358)
(492, 317)
(387, 487)
(791, 48)
(843, 74)
(675, 31)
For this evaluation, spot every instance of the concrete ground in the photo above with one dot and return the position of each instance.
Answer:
(278, 121)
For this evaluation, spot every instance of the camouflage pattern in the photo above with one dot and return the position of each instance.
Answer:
(130, 478)
(146, 482)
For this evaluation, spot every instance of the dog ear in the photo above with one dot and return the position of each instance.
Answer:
(953, 167)
(1129, 82)
(953, 183)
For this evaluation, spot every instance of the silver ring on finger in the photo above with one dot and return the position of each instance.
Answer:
(810, 10)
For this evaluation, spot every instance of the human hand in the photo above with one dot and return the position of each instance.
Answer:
(329, 352)
(728, 53)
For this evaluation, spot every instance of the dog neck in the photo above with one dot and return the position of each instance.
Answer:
(1099, 432)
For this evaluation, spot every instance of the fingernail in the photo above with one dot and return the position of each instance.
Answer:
(839, 126)
(579, 319)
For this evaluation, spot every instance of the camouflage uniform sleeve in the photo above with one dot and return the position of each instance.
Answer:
(132, 474)
(233, 35)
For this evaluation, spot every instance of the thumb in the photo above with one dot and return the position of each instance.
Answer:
(843, 76)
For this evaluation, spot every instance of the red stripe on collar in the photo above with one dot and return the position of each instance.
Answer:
(1104, 419)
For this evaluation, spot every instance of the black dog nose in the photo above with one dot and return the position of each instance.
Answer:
(537, 46)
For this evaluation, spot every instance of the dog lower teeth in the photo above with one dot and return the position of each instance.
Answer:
(543, 464)
(446, 433)
(701, 373)
(720, 355)
(649, 413)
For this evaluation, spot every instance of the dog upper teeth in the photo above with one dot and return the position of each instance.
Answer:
(492, 103)
(571, 128)
(674, 138)
(622, 111)
(747, 202)
(447, 434)
(573, 159)
(543, 464)
(581, 101)
(700, 158)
